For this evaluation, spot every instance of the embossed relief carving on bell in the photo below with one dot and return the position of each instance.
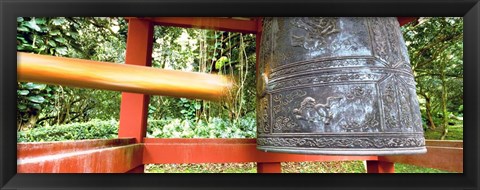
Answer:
(339, 86)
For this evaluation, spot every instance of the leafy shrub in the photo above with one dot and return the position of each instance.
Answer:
(215, 128)
(165, 128)
(95, 129)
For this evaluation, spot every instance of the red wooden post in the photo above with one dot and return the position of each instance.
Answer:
(269, 167)
(257, 42)
(405, 20)
(138, 169)
(134, 107)
(380, 167)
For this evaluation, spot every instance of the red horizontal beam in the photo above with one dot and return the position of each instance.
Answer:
(444, 158)
(213, 23)
(166, 151)
(104, 160)
(119, 155)
(445, 143)
(35, 149)
(226, 24)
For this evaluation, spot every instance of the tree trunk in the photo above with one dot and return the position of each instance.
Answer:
(444, 104)
(19, 124)
(429, 113)
(32, 120)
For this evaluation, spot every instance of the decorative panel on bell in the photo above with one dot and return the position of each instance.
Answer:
(336, 86)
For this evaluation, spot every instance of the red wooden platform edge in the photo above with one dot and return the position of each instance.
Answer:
(123, 155)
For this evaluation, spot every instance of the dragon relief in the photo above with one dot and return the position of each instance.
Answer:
(315, 116)
(317, 29)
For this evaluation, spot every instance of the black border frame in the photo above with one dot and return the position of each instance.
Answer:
(10, 9)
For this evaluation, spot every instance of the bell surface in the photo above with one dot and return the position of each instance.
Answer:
(336, 86)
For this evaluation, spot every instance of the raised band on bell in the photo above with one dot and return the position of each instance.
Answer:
(340, 86)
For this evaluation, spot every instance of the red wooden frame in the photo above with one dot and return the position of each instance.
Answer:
(88, 156)
(122, 155)
(246, 25)
(132, 150)
(223, 151)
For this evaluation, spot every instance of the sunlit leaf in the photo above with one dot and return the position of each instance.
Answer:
(61, 50)
(30, 86)
(33, 25)
(52, 43)
(40, 21)
(61, 40)
(23, 92)
(36, 99)
(54, 32)
(58, 21)
(22, 29)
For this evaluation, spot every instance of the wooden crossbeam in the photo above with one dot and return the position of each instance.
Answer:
(36, 149)
(121, 77)
(213, 23)
(447, 156)
(244, 25)
(89, 156)
(445, 143)
(167, 151)
(123, 155)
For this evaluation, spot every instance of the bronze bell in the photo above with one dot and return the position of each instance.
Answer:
(337, 86)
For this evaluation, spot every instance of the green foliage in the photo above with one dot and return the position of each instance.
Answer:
(405, 168)
(231, 54)
(221, 62)
(216, 128)
(435, 47)
(202, 168)
(165, 128)
(45, 35)
(94, 129)
(287, 167)
(32, 96)
(91, 38)
(455, 132)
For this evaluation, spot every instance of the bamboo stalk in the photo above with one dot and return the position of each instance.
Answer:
(120, 77)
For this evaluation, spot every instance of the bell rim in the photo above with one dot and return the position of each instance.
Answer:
(346, 151)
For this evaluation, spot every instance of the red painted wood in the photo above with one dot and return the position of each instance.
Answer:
(36, 149)
(118, 159)
(445, 143)
(167, 151)
(405, 20)
(119, 155)
(258, 39)
(225, 24)
(134, 107)
(269, 167)
(139, 169)
(444, 158)
(380, 167)
(213, 23)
